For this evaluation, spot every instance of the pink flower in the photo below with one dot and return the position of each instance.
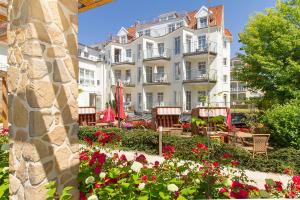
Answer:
(154, 178)
(168, 151)
(236, 184)
(296, 180)
(97, 169)
(202, 146)
(216, 164)
(98, 185)
(156, 164)
(142, 159)
(123, 158)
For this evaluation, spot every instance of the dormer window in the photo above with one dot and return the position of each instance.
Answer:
(86, 54)
(203, 22)
(171, 27)
(147, 32)
(140, 33)
(171, 17)
(123, 39)
(163, 19)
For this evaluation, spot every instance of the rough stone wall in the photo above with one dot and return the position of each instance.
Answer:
(42, 82)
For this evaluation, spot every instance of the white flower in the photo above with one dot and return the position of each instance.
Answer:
(171, 164)
(136, 166)
(89, 180)
(141, 186)
(185, 172)
(172, 188)
(102, 175)
(197, 181)
(92, 197)
(181, 163)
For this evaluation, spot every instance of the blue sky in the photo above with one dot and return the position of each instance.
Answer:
(96, 25)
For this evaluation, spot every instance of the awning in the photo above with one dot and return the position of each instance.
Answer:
(168, 111)
(203, 112)
(87, 110)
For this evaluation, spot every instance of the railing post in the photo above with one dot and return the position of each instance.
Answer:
(160, 130)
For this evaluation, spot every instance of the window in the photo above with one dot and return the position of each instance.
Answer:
(139, 51)
(139, 100)
(149, 101)
(98, 82)
(188, 96)
(225, 44)
(79, 52)
(202, 68)
(203, 22)
(140, 33)
(147, 32)
(128, 98)
(163, 19)
(188, 44)
(171, 27)
(225, 99)
(123, 39)
(201, 96)
(139, 74)
(160, 98)
(224, 61)
(86, 54)
(86, 77)
(179, 24)
(161, 48)
(128, 53)
(177, 45)
(175, 98)
(225, 78)
(127, 75)
(188, 68)
(202, 42)
(177, 71)
(118, 75)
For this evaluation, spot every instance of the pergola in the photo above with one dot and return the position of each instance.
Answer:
(41, 36)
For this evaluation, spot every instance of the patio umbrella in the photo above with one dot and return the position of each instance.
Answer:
(228, 120)
(109, 115)
(119, 101)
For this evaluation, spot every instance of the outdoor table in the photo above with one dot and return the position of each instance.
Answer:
(243, 135)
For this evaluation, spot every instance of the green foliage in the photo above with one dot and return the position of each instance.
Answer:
(198, 121)
(284, 124)
(147, 141)
(4, 167)
(51, 193)
(271, 43)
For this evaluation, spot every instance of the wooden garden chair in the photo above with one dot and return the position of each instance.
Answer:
(260, 144)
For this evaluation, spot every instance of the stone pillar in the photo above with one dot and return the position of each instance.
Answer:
(4, 102)
(42, 83)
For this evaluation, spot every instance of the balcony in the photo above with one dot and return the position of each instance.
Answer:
(126, 81)
(157, 79)
(120, 60)
(239, 89)
(156, 55)
(194, 50)
(198, 76)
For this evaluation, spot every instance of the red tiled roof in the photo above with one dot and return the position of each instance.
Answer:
(131, 33)
(192, 20)
(227, 32)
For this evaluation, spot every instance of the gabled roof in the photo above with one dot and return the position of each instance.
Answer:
(84, 5)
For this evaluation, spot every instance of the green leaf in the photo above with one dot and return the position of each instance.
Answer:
(188, 191)
(181, 198)
(270, 182)
(164, 196)
(143, 198)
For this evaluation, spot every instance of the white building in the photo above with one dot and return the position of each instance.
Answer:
(92, 78)
(175, 60)
(239, 91)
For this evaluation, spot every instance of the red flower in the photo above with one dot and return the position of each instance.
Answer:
(156, 164)
(168, 151)
(227, 155)
(98, 185)
(154, 178)
(236, 184)
(144, 178)
(216, 164)
(296, 180)
(222, 190)
(142, 159)
(82, 196)
(97, 169)
(88, 140)
(83, 156)
(202, 146)
(195, 151)
(123, 158)
(235, 163)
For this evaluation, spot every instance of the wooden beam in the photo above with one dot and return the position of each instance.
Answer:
(94, 5)
(4, 102)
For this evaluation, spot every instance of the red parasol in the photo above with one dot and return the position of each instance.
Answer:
(228, 120)
(119, 101)
(109, 115)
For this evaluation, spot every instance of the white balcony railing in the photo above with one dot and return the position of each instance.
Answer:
(200, 75)
(119, 59)
(128, 81)
(200, 47)
(156, 53)
(157, 78)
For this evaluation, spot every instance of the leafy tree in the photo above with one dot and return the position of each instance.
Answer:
(271, 46)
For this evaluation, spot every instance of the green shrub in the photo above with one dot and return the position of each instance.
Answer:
(284, 124)
(147, 141)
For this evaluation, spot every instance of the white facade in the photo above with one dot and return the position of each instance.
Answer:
(172, 62)
(92, 78)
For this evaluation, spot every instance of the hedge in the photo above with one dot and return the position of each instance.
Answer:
(147, 141)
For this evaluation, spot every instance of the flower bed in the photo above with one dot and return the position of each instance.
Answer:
(4, 164)
(147, 141)
(111, 176)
